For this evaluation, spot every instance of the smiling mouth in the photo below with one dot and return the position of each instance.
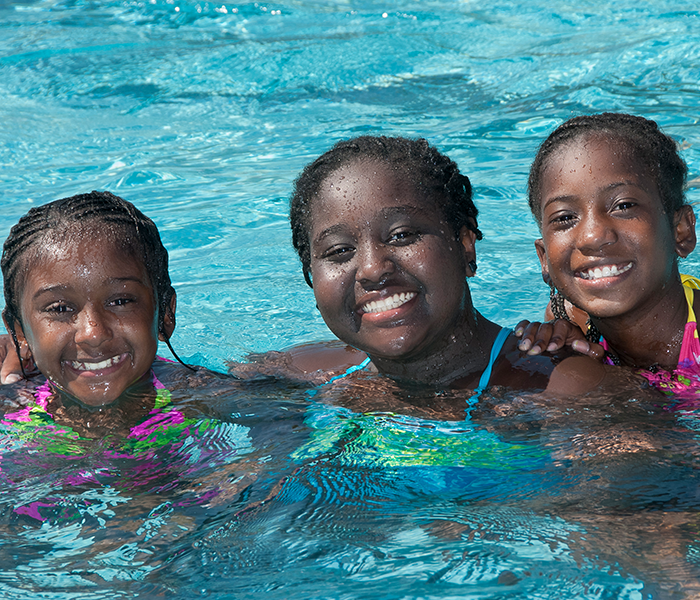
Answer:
(603, 272)
(391, 303)
(80, 365)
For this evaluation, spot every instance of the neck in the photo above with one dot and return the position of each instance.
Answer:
(650, 337)
(462, 356)
(115, 418)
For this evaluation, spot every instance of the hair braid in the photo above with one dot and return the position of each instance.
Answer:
(129, 227)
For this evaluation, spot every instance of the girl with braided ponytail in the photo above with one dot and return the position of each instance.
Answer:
(607, 191)
(386, 229)
(87, 289)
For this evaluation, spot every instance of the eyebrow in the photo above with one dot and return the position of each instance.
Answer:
(607, 188)
(385, 212)
(61, 287)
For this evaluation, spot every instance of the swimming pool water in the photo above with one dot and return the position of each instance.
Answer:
(202, 114)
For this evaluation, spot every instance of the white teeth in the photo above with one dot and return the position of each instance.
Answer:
(389, 303)
(79, 365)
(606, 271)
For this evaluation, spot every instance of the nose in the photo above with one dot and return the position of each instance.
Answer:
(595, 231)
(92, 327)
(375, 263)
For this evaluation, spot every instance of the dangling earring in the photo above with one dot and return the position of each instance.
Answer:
(472, 266)
(556, 302)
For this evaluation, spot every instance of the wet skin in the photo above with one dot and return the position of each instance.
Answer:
(389, 273)
(390, 278)
(607, 243)
(89, 317)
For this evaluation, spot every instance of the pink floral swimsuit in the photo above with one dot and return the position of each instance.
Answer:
(684, 382)
(164, 446)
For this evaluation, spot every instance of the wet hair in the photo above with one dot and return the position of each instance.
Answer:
(657, 152)
(63, 220)
(433, 173)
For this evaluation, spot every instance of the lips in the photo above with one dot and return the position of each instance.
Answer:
(386, 304)
(602, 272)
(92, 366)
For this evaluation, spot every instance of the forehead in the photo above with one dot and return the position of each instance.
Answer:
(593, 159)
(363, 187)
(83, 257)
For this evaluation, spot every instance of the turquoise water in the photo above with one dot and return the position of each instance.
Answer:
(202, 114)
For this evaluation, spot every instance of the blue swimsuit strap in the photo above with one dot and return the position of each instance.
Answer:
(495, 351)
(352, 369)
(483, 381)
(362, 365)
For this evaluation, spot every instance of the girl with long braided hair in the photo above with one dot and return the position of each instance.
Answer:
(608, 193)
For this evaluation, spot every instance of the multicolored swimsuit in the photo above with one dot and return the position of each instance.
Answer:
(385, 439)
(162, 449)
(684, 382)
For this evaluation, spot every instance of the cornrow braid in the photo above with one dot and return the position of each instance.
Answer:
(435, 174)
(657, 153)
(122, 221)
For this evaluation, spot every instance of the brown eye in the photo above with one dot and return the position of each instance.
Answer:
(121, 301)
(338, 252)
(58, 308)
(625, 205)
(403, 236)
(563, 219)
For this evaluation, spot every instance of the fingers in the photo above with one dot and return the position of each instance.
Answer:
(537, 337)
(11, 371)
(553, 336)
(589, 349)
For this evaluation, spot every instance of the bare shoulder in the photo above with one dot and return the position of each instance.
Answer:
(562, 374)
(576, 375)
(313, 363)
(15, 396)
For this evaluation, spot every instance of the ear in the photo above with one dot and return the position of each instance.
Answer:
(168, 320)
(542, 255)
(684, 230)
(467, 238)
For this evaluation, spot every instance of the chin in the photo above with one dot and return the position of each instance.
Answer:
(96, 399)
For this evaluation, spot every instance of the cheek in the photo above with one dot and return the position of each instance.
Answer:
(556, 249)
(329, 284)
(42, 339)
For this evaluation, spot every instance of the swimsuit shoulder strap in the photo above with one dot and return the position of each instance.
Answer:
(362, 365)
(495, 351)
(690, 283)
(352, 369)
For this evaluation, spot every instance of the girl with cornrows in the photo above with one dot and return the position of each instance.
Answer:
(91, 314)
(386, 229)
(607, 191)
(87, 290)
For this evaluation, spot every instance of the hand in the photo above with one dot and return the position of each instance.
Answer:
(10, 371)
(553, 336)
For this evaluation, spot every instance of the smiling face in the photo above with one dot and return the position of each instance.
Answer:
(389, 274)
(607, 243)
(89, 317)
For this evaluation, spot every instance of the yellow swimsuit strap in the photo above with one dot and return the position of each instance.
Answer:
(690, 283)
